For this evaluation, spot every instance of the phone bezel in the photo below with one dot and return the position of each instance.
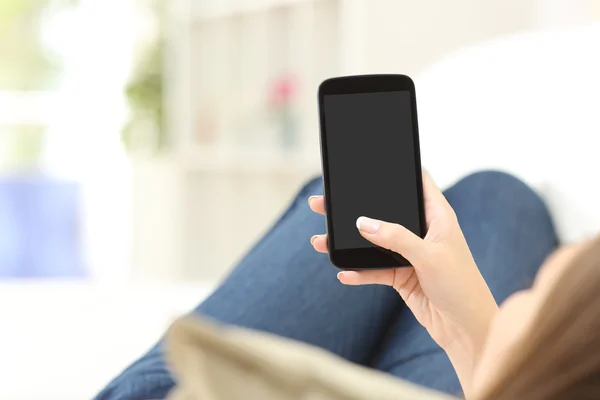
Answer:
(368, 258)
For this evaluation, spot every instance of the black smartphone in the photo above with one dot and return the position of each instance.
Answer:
(371, 164)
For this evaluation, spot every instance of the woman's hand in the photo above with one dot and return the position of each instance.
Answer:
(444, 288)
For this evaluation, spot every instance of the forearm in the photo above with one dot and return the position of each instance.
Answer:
(466, 349)
(464, 361)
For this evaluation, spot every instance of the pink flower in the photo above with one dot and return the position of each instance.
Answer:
(282, 90)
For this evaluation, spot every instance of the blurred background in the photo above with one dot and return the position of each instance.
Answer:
(146, 144)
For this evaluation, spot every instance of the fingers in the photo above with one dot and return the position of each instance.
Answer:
(375, 277)
(430, 189)
(436, 205)
(317, 204)
(319, 242)
(389, 277)
(393, 237)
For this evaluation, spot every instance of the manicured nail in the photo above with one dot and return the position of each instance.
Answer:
(340, 274)
(367, 225)
(312, 239)
(311, 198)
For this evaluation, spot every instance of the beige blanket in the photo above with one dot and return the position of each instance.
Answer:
(212, 362)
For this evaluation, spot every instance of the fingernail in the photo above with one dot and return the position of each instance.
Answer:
(312, 239)
(311, 199)
(367, 225)
(339, 275)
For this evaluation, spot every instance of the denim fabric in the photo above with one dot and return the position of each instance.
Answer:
(284, 287)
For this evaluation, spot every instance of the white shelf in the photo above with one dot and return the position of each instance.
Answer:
(204, 11)
(238, 157)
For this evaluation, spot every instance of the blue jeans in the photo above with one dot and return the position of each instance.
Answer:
(284, 287)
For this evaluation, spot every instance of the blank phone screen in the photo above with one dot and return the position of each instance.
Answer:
(371, 163)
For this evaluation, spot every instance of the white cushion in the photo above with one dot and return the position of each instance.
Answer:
(214, 362)
(528, 104)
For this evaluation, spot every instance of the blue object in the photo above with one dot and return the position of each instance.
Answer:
(284, 287)
(40, 233)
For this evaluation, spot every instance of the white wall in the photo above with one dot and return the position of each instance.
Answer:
(406, 36)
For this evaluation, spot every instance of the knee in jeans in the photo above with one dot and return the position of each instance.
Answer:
(496, 181)
(494, 185)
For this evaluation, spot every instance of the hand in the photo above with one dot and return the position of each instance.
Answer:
(444, 288)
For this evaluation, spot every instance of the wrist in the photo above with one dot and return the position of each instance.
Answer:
(463, 360)
(465, 346)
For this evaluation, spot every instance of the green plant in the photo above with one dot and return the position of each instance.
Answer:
(145, 129)
(145, 95)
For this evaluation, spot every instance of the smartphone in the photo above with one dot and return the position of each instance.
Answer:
(371, 164)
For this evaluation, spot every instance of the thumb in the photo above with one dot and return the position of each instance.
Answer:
(393, 237)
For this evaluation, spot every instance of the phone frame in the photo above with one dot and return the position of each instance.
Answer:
(373, 257)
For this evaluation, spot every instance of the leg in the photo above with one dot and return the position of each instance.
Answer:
(510, 232)
(284, 287)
